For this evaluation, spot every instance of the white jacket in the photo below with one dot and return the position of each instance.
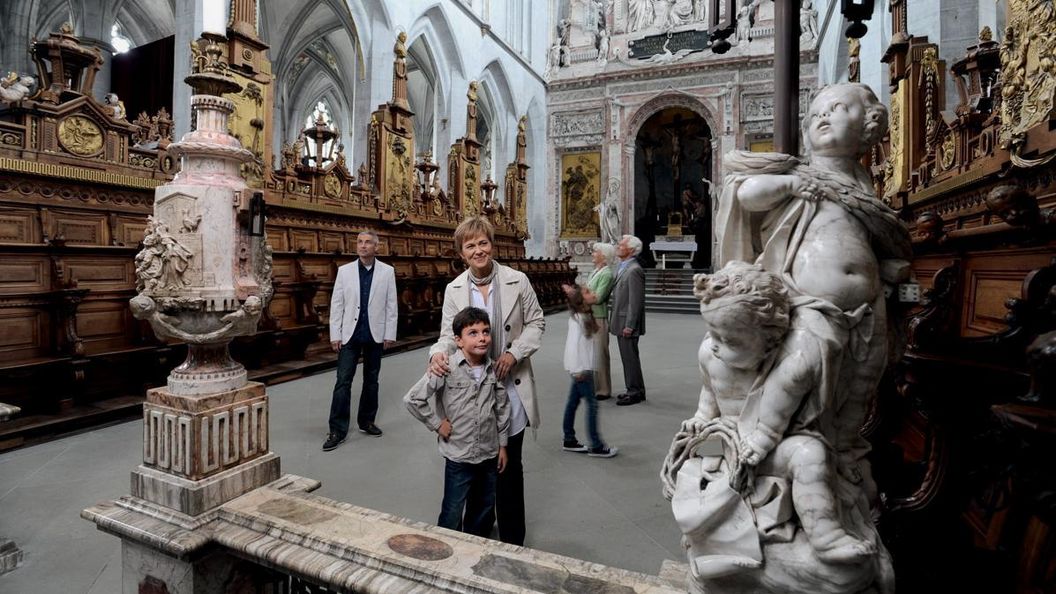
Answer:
(381, 309)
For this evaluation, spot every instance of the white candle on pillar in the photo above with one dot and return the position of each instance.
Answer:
(214, 17)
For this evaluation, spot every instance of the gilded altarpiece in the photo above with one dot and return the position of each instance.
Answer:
(580, 194)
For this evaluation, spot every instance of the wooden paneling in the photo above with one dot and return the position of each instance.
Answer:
(19, 226)
(24, 274)
(101, 272)
(991, 279)
(82, 228)
(304, 240)
(24, 334)
(105, 325)
(332, 242)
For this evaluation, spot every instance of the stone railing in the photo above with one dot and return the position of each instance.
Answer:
(282, 536)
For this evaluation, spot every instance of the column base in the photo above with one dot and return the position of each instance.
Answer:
(10, 556)
(194, 498)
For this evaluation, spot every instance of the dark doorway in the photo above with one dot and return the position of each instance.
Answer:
(672, 160)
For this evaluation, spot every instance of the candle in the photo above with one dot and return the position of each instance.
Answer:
(214, 17)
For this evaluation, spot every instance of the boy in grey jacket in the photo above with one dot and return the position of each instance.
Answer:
(470, 412)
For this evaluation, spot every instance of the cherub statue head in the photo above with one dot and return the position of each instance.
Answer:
(844, 120)
(745, 310)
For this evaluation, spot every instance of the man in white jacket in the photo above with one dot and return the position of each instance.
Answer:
(362, 321)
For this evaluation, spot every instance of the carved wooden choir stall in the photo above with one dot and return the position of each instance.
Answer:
(77, 182)
(964, 434)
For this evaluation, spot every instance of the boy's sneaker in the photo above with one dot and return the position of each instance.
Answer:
(332, 441)
(574, 446)
(606, 452)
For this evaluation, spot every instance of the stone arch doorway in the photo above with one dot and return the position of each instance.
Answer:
(671, 161)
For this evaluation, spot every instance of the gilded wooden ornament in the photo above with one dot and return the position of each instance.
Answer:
(332, 186)
(1028, 67)
(80, 136)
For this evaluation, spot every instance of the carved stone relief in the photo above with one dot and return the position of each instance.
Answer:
(577, 124)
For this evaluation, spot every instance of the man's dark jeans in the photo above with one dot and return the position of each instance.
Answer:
(470, 487)
(341, 403)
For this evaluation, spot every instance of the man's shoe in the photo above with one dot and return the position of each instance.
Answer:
(629, 400)
(606, 452)
(574, 446)
(371, 430)
(601, 397)
(332, 441)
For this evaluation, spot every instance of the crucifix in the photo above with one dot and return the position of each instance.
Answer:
(675, 131)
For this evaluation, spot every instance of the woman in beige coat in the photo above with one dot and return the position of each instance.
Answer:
(517, 326)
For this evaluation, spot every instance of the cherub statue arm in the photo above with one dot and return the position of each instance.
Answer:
(783, 391)
(707, 405)
(765, 192)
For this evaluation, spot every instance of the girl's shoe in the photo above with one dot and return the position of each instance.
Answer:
(606, 452)
(574, 446)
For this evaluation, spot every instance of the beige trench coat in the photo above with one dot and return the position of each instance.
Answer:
(523, 326)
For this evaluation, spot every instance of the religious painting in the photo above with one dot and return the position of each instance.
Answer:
(580, 194)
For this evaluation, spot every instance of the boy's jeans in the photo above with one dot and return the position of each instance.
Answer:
(582, 389)
(469, 486)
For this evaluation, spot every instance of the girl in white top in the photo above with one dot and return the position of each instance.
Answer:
(579, 362)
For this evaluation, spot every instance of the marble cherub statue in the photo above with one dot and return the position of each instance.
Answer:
(15, 88)
(759, 370)
(816, 224)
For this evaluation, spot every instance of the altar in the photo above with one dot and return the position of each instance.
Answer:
(675, 250)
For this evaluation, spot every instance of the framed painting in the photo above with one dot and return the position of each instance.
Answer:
(580, 194)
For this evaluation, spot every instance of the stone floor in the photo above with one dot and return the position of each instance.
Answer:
(605, 510)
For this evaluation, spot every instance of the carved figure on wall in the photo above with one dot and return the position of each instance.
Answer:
(854, 64)
(639, 15)
(812, 385)
(15, 88)
(522, 139)
(553, 59)
(700, 11)
(808, 22)
(162, 262)
(609, 211)
(745, 20)
(115, 106)
(603, 47)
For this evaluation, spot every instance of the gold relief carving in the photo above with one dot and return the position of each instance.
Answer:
(472, 188)
(894, 169)
(10, 138)
(332, 185)
(947, 152)
(929, 74)
(399, 176)
(1028, 66)
(580, 180)
(80, 136)
(247, 124)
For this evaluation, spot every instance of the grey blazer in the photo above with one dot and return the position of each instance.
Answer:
(627, 305)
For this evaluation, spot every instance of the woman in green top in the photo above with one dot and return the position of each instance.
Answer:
(600, 284)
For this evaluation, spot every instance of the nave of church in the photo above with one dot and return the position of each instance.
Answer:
(603, 511)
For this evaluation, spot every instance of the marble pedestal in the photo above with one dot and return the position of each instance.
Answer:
(202, 451)
(10, 555)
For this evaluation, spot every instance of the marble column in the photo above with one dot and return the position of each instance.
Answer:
(203, 278)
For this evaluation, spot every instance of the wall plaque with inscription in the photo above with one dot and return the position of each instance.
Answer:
(652, 45)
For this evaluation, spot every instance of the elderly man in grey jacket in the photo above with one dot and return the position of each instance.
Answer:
(627, 317)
